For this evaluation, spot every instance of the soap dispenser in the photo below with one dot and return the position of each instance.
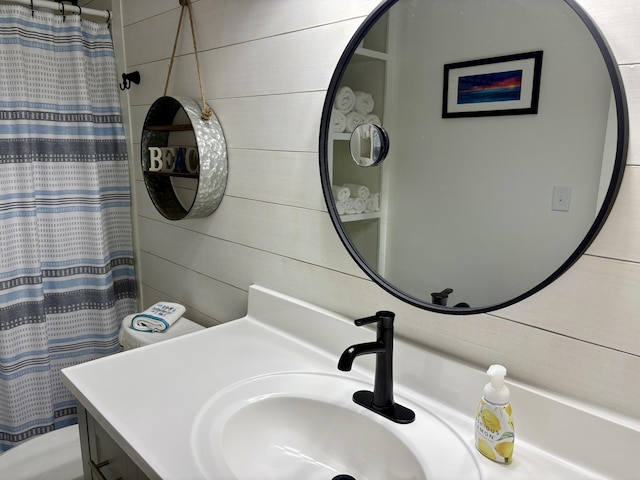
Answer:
(494, 434)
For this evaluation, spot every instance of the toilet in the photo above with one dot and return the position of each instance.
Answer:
(56, 455)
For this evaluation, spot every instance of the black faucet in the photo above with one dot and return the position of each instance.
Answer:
(440, 298)
(380, 400)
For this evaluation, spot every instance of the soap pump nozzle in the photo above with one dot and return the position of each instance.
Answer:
(496, 391)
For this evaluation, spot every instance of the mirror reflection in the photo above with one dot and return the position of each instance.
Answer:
(368, 145)
(495, 201)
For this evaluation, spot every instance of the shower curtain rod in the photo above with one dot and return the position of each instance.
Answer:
(106, 14)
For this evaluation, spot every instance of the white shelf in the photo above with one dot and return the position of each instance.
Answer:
(340, 136)
(365, 52)
(356, 217)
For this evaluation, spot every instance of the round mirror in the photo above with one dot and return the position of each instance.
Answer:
(507, 125)
(368, 145)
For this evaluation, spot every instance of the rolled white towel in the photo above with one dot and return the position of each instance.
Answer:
(340, 206)
(370, 205)
(340, 193)
(357, 191)
(354, 120)
(373, 203)
(372, 118)
(348, 206)
(158, 318)
(364, 103)
(359, 204)
(338, 121)
(345, 100)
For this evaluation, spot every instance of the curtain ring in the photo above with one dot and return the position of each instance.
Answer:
(80, 10)
(109, 18)
(32, 10)
(64, 18)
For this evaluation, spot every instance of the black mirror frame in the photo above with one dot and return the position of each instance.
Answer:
(612, 192)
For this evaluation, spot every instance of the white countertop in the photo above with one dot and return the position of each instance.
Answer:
(149, 398)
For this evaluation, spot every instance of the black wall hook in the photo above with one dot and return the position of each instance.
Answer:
(128, 78)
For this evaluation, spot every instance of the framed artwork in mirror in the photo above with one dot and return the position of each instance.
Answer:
(505, 85)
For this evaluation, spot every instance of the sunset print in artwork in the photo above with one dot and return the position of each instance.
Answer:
(490, 87)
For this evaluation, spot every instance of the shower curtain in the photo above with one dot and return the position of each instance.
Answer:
(66, 256)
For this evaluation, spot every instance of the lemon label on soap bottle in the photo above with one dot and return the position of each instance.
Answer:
(494, 432)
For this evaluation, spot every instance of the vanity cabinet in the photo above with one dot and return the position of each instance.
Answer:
(366, 72)
(102, 458)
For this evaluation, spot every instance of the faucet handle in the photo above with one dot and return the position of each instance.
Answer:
(384, 318)
(440, 298)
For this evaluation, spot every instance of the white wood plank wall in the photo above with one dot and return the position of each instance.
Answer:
(267, 65)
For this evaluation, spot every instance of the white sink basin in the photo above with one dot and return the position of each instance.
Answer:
(304, 426)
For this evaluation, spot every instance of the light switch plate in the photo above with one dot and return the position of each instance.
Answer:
(561, 198)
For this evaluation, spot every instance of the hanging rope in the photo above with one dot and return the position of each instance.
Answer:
(206, 110)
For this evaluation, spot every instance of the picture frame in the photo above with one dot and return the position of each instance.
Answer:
(504, 85)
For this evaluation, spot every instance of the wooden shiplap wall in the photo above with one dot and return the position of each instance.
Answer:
(267, 65)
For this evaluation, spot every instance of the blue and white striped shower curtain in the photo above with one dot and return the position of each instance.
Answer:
(66, 256)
